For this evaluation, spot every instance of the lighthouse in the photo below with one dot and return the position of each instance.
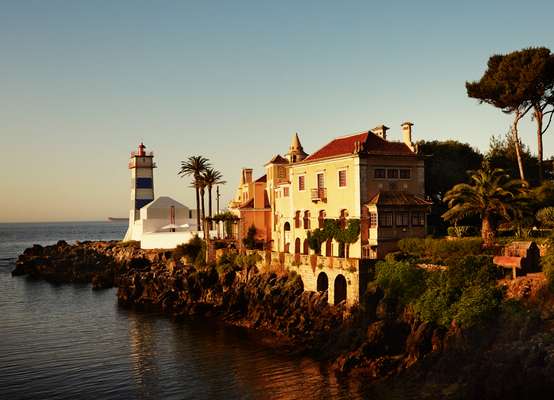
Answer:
(142, 167)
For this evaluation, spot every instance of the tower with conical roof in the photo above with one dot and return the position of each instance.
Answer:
(296, 152)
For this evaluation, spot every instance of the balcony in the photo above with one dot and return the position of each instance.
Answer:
(319, 194)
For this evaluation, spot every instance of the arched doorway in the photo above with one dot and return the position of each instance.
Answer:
(306, 248)
(322, 282)
(329, 247)
(286, 237)
(340, 289)
(297, 246)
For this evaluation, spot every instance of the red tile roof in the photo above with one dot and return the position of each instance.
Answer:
(373, 144)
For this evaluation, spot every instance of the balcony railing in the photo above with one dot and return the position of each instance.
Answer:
(319, 194)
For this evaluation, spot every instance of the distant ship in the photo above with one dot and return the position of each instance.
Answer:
(114, 219)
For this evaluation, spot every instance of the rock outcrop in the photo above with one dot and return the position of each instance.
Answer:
(510, 357)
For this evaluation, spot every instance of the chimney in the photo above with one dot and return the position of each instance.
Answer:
(246, 176)
(381, 131)
(407, 135)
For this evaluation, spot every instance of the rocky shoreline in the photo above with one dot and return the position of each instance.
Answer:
(375, 339)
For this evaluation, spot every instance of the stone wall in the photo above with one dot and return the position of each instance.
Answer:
(331, 272)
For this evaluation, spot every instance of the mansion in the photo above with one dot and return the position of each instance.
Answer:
(362, 176)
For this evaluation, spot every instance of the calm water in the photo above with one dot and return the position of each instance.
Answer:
(69, 342)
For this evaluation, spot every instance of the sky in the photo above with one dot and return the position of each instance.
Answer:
(84, 82)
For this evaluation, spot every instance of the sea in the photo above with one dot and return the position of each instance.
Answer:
(70, 342)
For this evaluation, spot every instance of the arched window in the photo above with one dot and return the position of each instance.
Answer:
(306, 246)
(297, 219)
(321, 219)
(297, 246)
(306, 219)
(340, 289)
(286, 236)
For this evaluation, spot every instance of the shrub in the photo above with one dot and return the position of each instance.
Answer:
(546, 216)
(477, 303)
(465, 292)
(434, 304)
(316, 239)
(412, 246)
(440, 250)
(250, 239)
(400, 279)
(193, 250)
(248, 261)
(460, 231)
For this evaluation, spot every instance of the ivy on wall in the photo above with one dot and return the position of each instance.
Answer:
(332, 230)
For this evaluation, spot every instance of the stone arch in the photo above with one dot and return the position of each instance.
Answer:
(297, 246)
(306, 247)
(329, 247)
(322, 282)
(340, 289)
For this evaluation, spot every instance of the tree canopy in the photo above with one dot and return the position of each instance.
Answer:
(492, 195)
(446, 165)
(516, 83)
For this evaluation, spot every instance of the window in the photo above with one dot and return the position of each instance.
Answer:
(402, 219)
(297, 219)
(392, 173)
(405, 173)
(418, 219)
(321, 219)
(342, 178)
(286, 191)
(385, 219)
(301, 182)
(372, 219)
(320, 180)
(379, 173)
(306, 220)
(281, 172)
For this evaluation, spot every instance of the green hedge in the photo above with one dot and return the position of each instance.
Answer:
(440, 250)
(465, 292)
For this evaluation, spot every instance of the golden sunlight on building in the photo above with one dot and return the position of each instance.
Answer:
(361, 177)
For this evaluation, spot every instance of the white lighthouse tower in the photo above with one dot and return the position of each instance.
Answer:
(142, 167)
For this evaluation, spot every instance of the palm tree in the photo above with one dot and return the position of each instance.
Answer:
(195, 166)
(200, 185)
(492, 195)
(212, 177)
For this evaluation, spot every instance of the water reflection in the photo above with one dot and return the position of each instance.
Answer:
(68, 342)
(204, 359)
(145, 371)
